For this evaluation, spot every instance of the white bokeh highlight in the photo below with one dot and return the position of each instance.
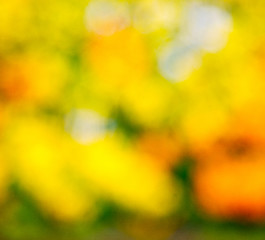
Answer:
(207, 26)
(86, 126)
(152, 15)
(105, 17)
(203, 28)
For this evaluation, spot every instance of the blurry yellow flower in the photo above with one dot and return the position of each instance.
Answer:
(244, 87)
(227, 81)
(119, 59)
(129, 178)
(147, 103)
(31, 79)
(203, 121)
(58, 25)
(14, 17)
(40, 166)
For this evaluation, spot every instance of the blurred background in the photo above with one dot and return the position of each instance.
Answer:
(132, 120)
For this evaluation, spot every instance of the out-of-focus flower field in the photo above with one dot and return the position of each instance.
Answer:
(132, 119)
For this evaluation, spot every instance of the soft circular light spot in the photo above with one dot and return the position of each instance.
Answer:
(106, 17)
(207, 26)
(177, 61)
(86, 126)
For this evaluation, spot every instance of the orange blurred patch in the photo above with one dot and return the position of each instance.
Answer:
(164, 148)
(244, 135)
(233, 189)
(14, 85)
(30, 79)
(229, 180)
(120, 58)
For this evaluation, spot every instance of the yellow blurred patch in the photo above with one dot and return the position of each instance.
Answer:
(126, 177)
